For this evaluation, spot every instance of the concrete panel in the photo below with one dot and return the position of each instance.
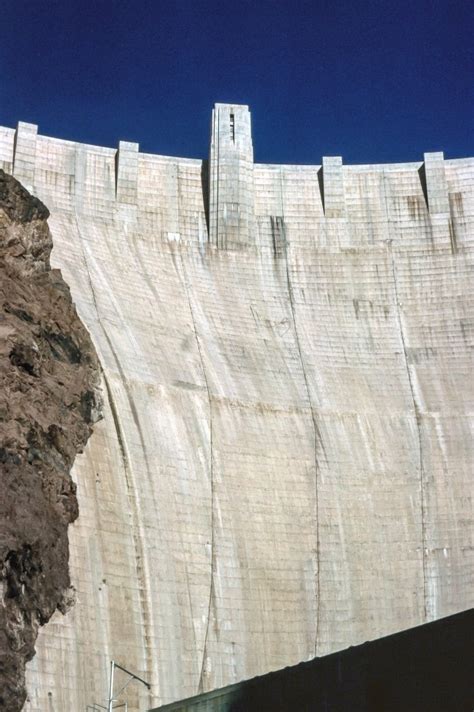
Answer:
(436, 188)
(284, 467)
(7, 142)
(231, 192)
(333, 187)
(127, 172)
(25, 153)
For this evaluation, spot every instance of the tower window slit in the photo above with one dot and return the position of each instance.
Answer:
(232, 127)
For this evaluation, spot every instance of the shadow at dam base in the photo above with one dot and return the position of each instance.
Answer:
(423, 669)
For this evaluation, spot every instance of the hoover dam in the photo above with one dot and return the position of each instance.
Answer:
(284, 467)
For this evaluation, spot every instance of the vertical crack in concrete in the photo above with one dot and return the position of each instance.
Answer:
(317, 436)
(118, 429)
(416, 408)
(182, 275)
(418, 430)
(141, 563)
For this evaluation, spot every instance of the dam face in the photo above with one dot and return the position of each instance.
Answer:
(284, 468)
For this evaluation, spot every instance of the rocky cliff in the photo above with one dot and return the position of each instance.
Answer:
(48, 403)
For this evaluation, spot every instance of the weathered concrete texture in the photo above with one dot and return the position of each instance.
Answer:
(285, 464)
(48, 401)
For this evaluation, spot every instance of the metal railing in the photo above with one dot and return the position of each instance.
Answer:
(113, 702)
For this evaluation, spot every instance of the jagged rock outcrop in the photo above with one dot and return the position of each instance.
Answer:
(48, 402)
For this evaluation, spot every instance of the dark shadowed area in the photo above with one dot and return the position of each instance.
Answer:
(424, 669)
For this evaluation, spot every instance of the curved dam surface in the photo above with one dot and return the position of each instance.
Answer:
(285, 464)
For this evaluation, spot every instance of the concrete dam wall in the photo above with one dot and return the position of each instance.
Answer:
(284, 468)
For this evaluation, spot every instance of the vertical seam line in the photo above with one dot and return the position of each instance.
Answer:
(138, 545)
(416, 408)
(211, 471)
(313, 418)
(418, 430)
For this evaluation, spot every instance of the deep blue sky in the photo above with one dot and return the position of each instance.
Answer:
(371, 81)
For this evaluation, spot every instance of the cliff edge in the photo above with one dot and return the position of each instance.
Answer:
(49, 400)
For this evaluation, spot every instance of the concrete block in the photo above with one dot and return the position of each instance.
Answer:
(231, 191)
(126, 175)
(436, 186)
(25, 153)
(333, 187)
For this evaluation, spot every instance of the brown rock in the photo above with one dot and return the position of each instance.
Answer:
(49, 375)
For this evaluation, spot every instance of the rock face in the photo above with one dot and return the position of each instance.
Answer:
(48, 402)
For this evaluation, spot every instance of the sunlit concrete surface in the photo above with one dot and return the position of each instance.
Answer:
(285, 464)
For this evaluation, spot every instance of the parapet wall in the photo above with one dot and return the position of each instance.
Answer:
(285, 464)
(229, 190)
